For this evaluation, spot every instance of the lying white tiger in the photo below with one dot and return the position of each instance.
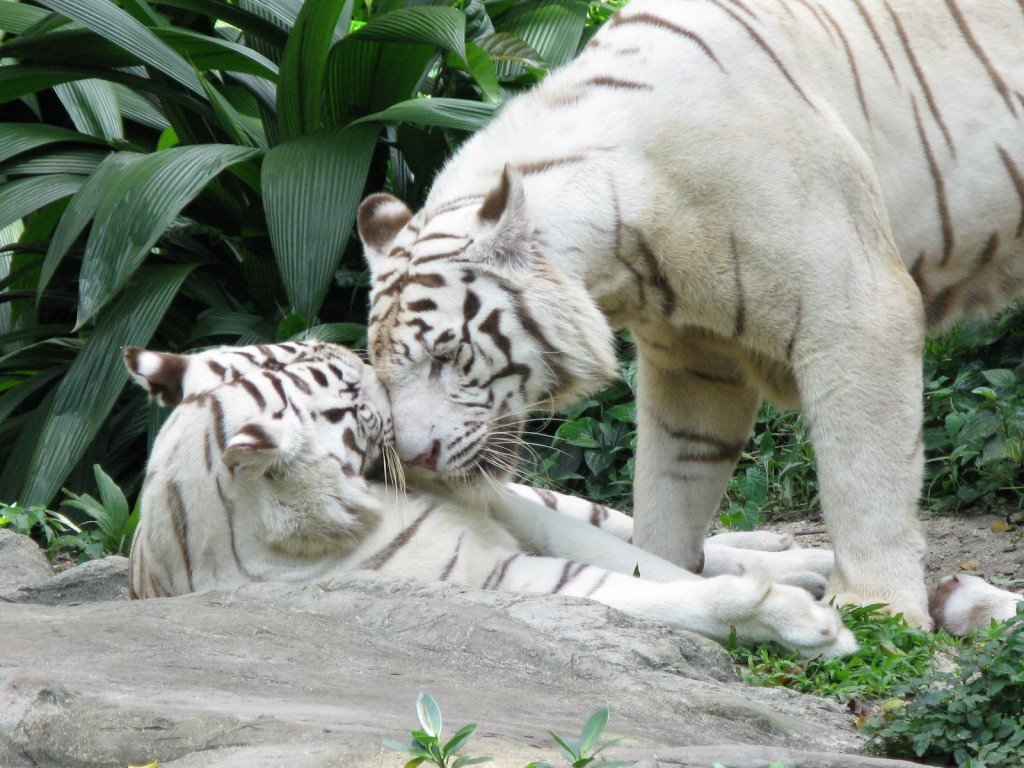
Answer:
(777, 198)
(263, 471)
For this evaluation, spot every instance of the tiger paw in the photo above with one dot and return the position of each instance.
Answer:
(792, 617)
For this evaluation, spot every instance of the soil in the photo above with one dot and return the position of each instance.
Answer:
(977, 544)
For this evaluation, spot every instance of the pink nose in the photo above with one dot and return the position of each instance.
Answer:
(429, 459)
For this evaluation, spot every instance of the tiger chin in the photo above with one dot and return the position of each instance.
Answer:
(272, 467)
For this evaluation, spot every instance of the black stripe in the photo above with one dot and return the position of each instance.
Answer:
(179, 521)
(945, 224)
(874, 34)
(972, 42)
(455, 556)
(919, 74)
(378, 560)
(1018, 184)
(766, 48)
(650, 19)
(229, 513)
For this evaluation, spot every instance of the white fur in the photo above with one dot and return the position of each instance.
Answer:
(759, 182)
(964, 603)
(291, 506)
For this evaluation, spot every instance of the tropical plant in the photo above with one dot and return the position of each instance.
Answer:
(969, 715)
(426, 745)
(179, 173)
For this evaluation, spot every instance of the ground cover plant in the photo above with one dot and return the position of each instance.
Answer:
(427, 747)
(970, 714)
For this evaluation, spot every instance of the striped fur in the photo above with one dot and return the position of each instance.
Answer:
(778, 198)
(269, 474)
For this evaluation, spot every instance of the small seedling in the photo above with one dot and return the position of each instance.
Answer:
(426, 746)
(584, 752)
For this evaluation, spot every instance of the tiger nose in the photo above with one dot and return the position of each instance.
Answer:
(429, 459)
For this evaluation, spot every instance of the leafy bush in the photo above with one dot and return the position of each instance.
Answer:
(970, 715)
(180, 173)
(891, 655)
(107, 530)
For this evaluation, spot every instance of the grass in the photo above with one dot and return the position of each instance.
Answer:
(891, 654)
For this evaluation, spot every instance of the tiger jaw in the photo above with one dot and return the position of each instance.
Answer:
(484, 443)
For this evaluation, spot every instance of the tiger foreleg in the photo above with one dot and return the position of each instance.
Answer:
(691, 429)
(539, 531)
(765, 541)
(757, 609)
(618, 524)
(859, 373)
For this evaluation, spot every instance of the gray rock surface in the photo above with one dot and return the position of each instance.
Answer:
(22, 563)
(271, 675)
(93, 581)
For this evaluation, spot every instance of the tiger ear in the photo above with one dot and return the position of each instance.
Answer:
(256, 446)
(161, 374)
(381, 217)
(504, 209)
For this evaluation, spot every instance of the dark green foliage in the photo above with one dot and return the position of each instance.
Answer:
(891, 655)
(974, 416)
(107, 526)
(182, 173)
(971, 715)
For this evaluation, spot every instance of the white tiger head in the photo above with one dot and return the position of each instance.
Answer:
(472, 327)
(285, 432)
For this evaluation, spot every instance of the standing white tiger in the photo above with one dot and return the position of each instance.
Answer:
(778, 198)
(264, 471)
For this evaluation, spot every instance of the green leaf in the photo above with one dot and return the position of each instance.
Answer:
(365, 77)
(311, 189)
(551, 27)
(273, 30)
(433, 25)
(465, 760)
(593, 729)
(464, 734)
(21, 197)
(350, 334)
(205, 52)
(16, 18)
(437, 113)
(113, 24)
(144, 197)
(92, 107)
(16, 138)
(1000, 377)
(114, 503)
(300, 98)
(567, 748)
(429, 714)
(80, 211)
(94, 381)
(480, 66)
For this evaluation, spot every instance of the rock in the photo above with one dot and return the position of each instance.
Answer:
(22, 563)
(93, 581)
(276, 675)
